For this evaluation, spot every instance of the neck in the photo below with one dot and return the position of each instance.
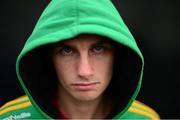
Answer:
(76, 109)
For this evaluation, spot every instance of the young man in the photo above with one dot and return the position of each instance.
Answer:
(80, 62)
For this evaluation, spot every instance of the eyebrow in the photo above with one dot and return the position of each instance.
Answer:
(102, 41)
(58, 45)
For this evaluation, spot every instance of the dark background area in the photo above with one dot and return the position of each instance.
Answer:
(155, 25)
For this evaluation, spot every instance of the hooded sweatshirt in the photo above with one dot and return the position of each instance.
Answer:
(64, 20)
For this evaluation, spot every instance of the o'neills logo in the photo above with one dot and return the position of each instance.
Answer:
(19, 116)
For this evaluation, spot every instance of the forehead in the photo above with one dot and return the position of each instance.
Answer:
(85, 40)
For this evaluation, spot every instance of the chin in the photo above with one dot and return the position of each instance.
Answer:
(86, 97)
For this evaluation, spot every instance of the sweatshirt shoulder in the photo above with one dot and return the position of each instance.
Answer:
(17, 109)
(16, 104)
(141, 110)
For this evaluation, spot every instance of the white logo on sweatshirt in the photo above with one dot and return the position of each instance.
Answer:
(19, 116)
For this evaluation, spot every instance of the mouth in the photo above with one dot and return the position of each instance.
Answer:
(85, 86)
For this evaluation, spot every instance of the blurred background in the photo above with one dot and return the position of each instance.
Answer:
(155, 25)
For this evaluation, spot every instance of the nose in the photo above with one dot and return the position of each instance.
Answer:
(85, 67)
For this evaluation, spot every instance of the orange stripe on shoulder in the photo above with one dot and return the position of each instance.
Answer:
(16, 107)
(141, 108)
(15, 101)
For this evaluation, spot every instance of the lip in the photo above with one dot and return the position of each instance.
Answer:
(85, 86)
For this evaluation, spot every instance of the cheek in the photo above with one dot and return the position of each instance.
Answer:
(105, 61)
(64, 69)
(104, 67)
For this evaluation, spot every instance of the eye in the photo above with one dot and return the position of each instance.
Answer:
(98, 49)
(66, 51)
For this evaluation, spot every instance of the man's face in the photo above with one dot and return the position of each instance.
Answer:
(83, 66)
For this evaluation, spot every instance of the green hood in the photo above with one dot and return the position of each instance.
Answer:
(66, 19)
